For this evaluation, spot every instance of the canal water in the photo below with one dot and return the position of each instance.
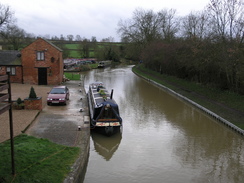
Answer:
(164, 139)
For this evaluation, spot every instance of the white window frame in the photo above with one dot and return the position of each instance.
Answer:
(8, 69)
(12, 70)
(40, 55)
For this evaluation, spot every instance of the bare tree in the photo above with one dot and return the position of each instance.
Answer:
(55, 38)
(108, 39)
(93, 44)
(62, 38)
(13, 35)
(78, 38)
(239, 31)
(84, 47)
(190, 25)
(6, 15)
(93, 39)
(194, 25)
(227, 22)
(147, 26)
(70, 37)
(227, 17)
(168, 24)
(142, 28)
(235, 14)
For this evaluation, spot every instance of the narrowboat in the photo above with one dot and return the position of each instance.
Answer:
(101, 65)
(104, 111)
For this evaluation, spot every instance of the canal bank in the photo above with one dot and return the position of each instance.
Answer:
(198, 106)
(83, 142)
(68, 125)
(58, 123)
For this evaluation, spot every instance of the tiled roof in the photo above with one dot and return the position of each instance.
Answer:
(10, 57)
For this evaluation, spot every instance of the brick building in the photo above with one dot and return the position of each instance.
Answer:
(40, 63)
(10, 61)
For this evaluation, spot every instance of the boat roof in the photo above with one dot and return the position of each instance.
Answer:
(97, 83)
(100, 100)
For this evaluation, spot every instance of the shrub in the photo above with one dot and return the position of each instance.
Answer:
(19, 104)
(32, 93)
(19, 101)
(85, 68)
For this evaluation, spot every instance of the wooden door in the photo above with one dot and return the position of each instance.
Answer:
(42, 76)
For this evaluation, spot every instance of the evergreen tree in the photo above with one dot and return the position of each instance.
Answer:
(32, 93)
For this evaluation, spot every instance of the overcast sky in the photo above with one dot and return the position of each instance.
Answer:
(88, 18)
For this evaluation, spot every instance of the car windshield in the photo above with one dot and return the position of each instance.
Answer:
(58, 91)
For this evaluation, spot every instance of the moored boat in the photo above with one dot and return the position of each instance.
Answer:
(101, 65)
(104, 111)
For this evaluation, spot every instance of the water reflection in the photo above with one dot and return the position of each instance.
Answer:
(106, 146)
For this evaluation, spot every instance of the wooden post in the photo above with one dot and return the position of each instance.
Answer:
(11, 125)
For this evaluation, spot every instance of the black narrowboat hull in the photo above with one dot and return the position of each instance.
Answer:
(104, 113)
(108, 130)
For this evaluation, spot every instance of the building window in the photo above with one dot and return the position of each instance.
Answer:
(8, 69)
(12, 70)
(40, 55)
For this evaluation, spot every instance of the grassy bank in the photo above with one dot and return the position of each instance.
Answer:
(36, 160)
(226, 104)
(72, 75)
(75, 75)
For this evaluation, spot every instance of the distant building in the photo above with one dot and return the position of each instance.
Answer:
(40, 63)
(10, 61)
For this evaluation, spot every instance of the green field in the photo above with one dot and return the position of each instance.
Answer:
(74, 50)
(36, 160)
(74, 54)
(77, 54)
(72, 46)
(72, 75)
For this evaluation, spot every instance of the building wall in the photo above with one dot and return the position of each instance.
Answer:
(17, 78)
(53, 61)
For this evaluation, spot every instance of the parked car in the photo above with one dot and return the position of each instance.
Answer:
(58, 95)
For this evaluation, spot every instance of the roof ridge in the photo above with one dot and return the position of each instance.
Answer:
(49, 42)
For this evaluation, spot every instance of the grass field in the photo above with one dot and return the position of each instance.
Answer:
(72, 75)
(36, 160)
(77, 54)
(72, 46)
(74, 54)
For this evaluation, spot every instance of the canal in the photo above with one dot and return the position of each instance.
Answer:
(164, 139)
